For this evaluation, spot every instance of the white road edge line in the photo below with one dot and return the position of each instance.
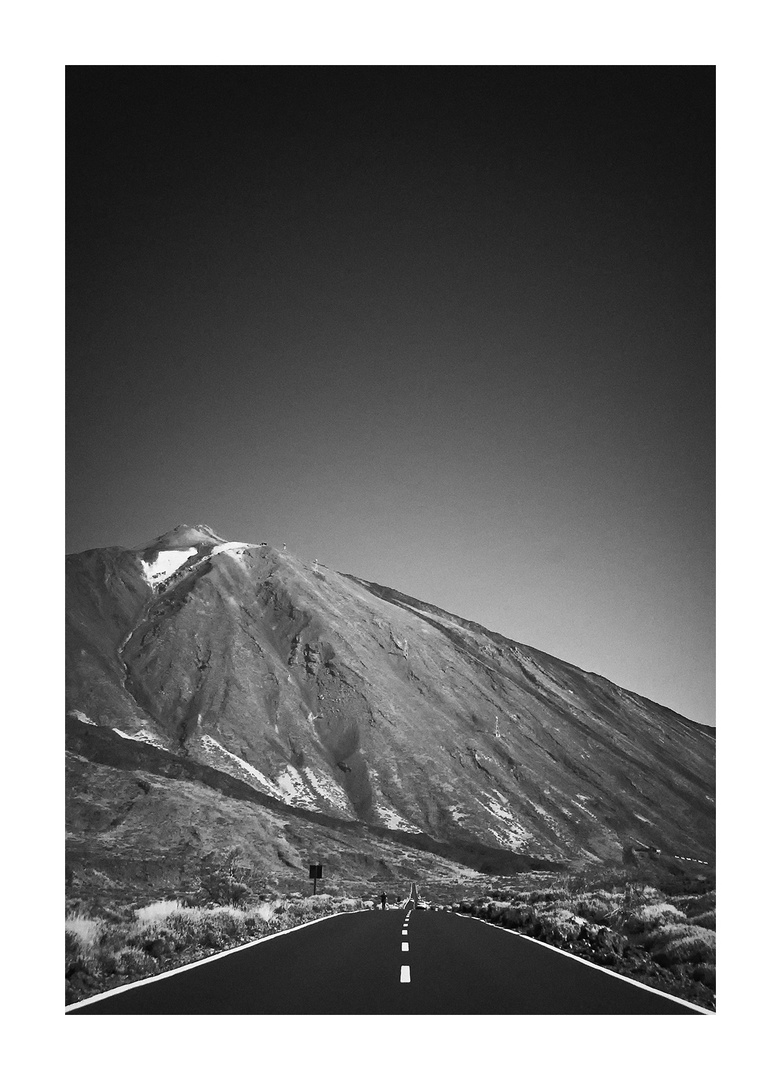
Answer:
(205, 960)
(404, 973)
(590, 963)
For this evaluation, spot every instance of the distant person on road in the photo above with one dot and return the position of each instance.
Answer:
(383, 898)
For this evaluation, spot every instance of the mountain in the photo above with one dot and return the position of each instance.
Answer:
(326, 712)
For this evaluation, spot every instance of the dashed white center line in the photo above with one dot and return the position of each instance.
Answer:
(404, 973)
(405, 946)
(404, 931)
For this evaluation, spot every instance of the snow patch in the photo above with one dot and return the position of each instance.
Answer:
(165, 564)
(511, 830)
(294, 789)
(83, 717)
(211, 744)
(142, 736)
(548, 818)
(234, 547)
(584, 799)
(390, 818)
(327, 788)
(393, 820)
(150, 738)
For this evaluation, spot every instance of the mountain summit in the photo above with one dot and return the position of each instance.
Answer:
(326, 695)
(183, 536)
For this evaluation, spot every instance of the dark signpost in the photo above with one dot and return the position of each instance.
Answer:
(315, 872)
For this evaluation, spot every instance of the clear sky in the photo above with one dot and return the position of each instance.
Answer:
(448, 329)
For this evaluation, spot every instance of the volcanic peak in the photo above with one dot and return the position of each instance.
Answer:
(181, 537)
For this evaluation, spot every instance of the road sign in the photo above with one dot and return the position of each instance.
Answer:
(315, 872)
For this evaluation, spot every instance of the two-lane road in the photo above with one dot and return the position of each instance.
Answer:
(354, 964)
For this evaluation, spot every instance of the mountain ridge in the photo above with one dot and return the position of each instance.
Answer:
(355, 701)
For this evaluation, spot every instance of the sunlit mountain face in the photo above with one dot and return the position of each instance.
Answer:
(225, 693)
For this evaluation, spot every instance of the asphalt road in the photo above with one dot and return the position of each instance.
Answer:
(354, 964)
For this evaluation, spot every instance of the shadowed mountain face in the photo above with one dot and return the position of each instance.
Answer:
(344, 698)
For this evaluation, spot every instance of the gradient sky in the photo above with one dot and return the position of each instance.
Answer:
(448, 329)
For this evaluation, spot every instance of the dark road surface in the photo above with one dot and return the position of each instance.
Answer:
(354, 964)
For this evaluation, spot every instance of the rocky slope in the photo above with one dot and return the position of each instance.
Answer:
(340, 697)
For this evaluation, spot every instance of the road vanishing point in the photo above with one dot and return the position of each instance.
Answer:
(397, 961)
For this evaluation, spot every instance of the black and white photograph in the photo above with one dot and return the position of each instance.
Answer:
(390, 531)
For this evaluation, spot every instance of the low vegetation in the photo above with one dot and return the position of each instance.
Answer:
(659, 930)
(110, 944)
(118, 947)
(662, 934)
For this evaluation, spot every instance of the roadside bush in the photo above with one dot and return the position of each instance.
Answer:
(99, 953)
(650, 917)
(706, 974)
(518, 916)
(696, 905)
(224, 880)
(185, 927)
(561, 925)
(706, 920)
(135, 962)
(85, 931)
(546, 896)
(158, 911)
(495, 910)
(75, 959)
(683, 944)
(266, 912)
(594, 910)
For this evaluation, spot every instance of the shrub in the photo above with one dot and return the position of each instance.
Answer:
(683, 944)
(518, 916)
(495, 911)
(158, 911)
(223, 881)
(706, 920)
(185, 928)
(697, 905)
(650, 917)
(594, 910)
(266, 912)
(75, 959)
(135, 962)
(106, 961)
(549, 895)
(86, 931)
(561, 925)
(706, 974)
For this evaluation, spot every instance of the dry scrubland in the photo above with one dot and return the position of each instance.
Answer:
(665, 942)
(662, 934)
(116, 948)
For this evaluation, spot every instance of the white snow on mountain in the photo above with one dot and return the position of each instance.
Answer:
(142, 736)
(510, 831)
(294, 789)
(290, 786)
(392, 820)
(165, 564)
(327, 788)
(209, 743)
(83, 717)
